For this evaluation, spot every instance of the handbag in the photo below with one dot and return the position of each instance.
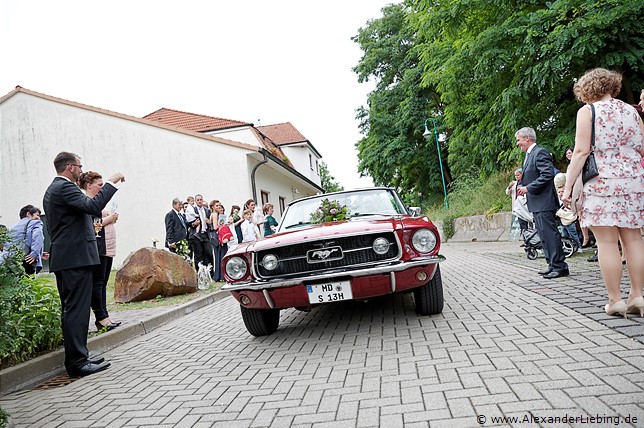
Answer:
(590, 166)
(566, 216)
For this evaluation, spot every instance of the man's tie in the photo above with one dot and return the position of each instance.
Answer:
(183, 220)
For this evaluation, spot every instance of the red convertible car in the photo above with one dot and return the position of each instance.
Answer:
(348, 245)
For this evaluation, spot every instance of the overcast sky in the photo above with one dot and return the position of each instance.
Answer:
(263, 62)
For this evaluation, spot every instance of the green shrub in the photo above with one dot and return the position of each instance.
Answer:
(30, 322)
(29, 312)
(4, 416)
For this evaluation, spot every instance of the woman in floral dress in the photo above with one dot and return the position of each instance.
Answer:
(613, 202)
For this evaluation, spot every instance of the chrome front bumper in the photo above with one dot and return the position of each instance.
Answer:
(388, 268)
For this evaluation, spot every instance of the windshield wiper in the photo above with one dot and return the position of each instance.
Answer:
(301, 223)
(365, 214)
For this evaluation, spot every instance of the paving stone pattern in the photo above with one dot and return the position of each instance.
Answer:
(507, 344)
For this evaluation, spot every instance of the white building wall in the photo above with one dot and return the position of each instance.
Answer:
(242, 135)
(277, 184)
(158, 165)
(299, 157)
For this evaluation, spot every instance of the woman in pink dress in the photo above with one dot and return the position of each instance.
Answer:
(613, 202)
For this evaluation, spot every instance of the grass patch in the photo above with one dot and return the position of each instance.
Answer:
(159, 301)
(470, 196)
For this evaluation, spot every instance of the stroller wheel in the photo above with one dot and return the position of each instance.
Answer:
(568, 247)
(531, 253)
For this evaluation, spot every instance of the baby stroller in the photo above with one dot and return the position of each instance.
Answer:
(532, 244)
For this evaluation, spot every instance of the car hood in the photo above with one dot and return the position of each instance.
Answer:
(371, 224)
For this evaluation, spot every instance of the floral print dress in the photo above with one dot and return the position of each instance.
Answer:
(616, 196)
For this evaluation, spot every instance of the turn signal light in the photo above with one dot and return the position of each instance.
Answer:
(244, 300)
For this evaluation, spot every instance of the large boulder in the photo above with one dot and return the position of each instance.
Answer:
(150, 272)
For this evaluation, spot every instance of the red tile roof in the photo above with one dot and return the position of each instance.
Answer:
(282, 133)
(192, 121)
(201, 123)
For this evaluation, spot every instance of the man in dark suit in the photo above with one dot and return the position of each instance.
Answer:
(73, 253)
(543, 203)
(176, 228)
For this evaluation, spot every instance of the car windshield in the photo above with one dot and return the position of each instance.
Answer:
(359, 203)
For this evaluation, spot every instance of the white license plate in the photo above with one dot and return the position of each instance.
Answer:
(329, 292)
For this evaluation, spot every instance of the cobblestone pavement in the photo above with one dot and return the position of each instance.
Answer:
(508, 344)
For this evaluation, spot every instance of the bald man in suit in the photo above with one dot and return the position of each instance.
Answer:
(543, 203)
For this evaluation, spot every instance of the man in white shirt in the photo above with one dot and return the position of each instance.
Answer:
(199, 233)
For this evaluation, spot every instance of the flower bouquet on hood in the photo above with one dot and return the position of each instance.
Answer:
(329, 211)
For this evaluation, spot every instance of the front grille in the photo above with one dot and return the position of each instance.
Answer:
(356, 252)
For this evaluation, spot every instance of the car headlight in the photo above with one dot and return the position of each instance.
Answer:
(380, 246)
(424, 240)
(270, 262)
(236, 267)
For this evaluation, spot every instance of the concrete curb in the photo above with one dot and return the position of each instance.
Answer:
(37, 370)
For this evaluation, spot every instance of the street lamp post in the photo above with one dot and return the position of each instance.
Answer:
(427, 134)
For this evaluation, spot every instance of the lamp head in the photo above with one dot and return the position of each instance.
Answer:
(427, 132)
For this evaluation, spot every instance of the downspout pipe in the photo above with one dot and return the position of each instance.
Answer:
(252, 177)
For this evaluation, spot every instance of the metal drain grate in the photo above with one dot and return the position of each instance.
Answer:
(56, 382)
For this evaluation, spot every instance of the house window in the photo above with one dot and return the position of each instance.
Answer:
(311, 161)
(282, 205)
(264, 197)
(317, 167)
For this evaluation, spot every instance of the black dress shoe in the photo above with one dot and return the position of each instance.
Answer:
(88, 369)
(106, 327)
(545, 272)
(95, 360)
(557, 274)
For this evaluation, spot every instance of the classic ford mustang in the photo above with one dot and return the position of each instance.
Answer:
(338, 246)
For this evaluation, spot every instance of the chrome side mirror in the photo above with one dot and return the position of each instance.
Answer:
(414, 211)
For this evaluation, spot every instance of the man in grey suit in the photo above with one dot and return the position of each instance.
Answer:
(543, 203)
(73, 253)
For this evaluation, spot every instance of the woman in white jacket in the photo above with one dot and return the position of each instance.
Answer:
(519, 202)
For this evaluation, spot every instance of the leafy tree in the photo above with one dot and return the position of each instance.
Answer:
(504, 64)
(327, 180)
(393, 151)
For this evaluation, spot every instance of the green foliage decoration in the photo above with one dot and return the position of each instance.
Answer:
(329, 211)
(183, 249)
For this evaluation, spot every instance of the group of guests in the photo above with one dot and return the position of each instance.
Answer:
(210, 232)
(610, 204)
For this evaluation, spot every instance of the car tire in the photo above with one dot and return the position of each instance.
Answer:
(429, 297)
(260, 322)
